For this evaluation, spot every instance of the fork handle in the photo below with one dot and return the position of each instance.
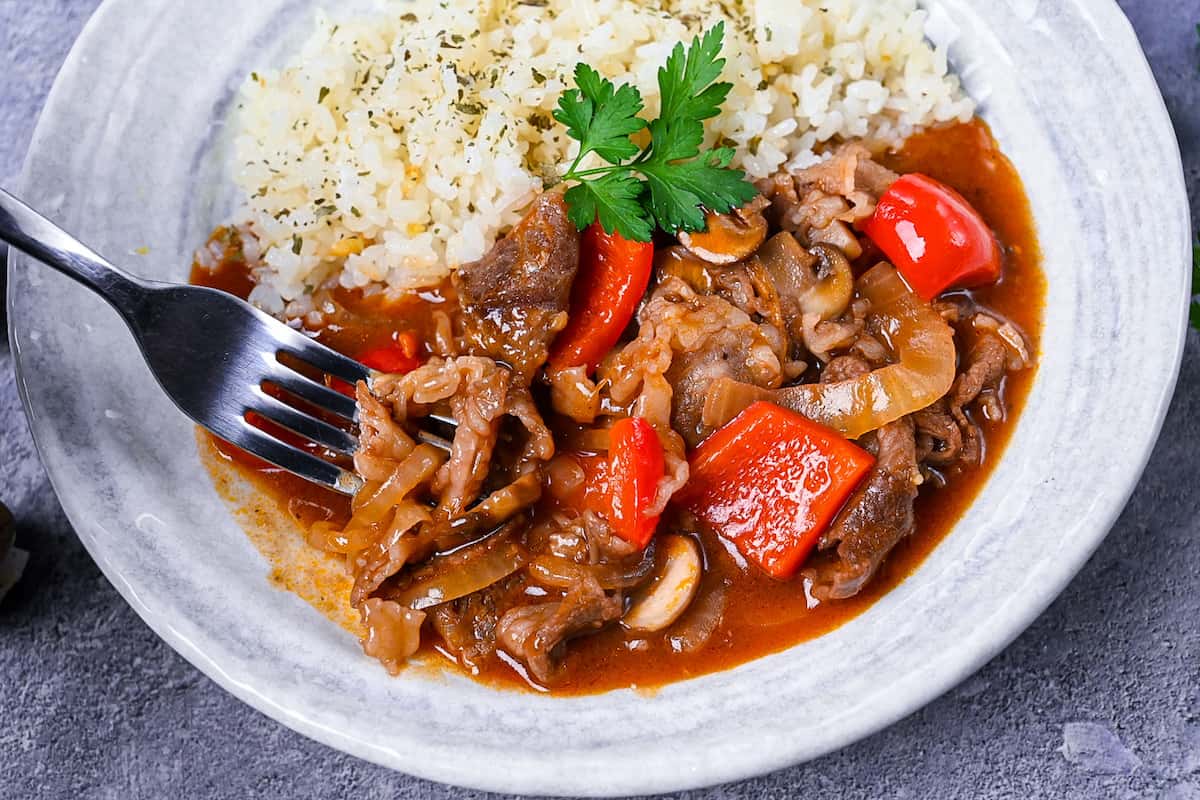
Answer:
(30, 232)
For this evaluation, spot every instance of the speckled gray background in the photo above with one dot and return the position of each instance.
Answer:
(1100, 698)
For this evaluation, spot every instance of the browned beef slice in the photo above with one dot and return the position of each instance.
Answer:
(468, 625)
(939, 439)
(985, 366)
(844, 368)
(723, 355)
(534, 633)
(516, 297)
(876, 518)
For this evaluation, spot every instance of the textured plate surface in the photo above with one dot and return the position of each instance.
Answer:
(130, 153)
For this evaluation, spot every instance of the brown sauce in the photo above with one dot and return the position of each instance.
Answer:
(761, 615)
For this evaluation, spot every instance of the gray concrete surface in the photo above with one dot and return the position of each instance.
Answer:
(1100, 698)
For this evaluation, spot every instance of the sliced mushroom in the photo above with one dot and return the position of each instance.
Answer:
(829, 295)
(729, 238)
(666, 596)
(679, 262)
(837, 234)
(813, 283)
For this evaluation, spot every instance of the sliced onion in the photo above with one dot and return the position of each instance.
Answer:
(563, 573)
(922, 342)
(372, 504)
(352, 538)
(372, 467)
(488, 514)
(464, 572)
(727, 398)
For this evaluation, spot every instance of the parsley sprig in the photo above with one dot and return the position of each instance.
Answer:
(669, 183)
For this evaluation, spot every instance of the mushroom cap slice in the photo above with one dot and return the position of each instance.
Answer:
(728, 238)
(669, 592)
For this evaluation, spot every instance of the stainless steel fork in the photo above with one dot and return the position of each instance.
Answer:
(213, 353)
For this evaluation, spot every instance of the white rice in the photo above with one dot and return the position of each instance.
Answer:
(424, 132)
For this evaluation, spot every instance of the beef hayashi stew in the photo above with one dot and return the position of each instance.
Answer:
(670, 457)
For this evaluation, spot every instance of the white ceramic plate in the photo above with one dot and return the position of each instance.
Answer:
(129, 153)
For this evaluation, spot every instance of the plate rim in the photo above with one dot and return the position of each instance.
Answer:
(949, 672)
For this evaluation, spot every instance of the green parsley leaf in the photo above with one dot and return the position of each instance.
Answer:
(675, 142)
(614, 200)
(677, 191)
(684, 81)
(600, 116)
(593, 85)
(671, 183)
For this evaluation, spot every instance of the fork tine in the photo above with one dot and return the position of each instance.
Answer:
(443, 419)
(311, 428)
(316, 393)
(293, 459)
(434, 439)
(325, 359)
(340, 404)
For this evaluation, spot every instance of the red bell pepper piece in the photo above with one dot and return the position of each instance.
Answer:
(613, 275)
(635, 466)
(401, 354)
(771, 481)
(933, 236)
(593, 494)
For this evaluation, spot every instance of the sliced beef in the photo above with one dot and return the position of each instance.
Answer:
(986, 365)
(685, 342)
(954, 308)
(406, 540)
(978, 381)
(574, 394)
(749, 287)
(813, 290)
(844, 368)
(536, 633)
(584, 538)
(468, 625)
(875, 519)
(848, 172)
(382, 441)
(821, 203)
(478, 393)
(940, 440)
(823, 338)
(393, 632)
(725, 354)
(516, 297)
